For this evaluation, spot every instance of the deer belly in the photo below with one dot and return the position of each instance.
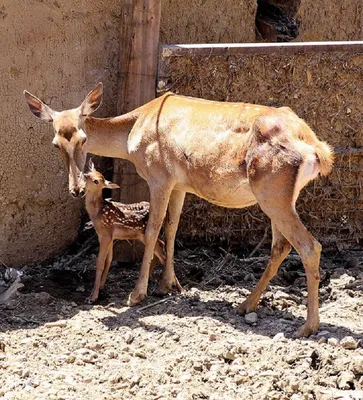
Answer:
(228, 194)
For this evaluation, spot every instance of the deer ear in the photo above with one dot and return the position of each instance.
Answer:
(93, 100)
(110, 185)
(38, 108)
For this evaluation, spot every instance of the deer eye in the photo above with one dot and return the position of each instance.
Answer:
(96, 182)
(83, 141)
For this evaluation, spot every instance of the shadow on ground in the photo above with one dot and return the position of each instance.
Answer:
(215, 282)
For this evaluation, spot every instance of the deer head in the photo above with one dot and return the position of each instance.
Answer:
(69, 135)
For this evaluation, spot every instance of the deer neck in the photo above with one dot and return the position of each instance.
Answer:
(93, 204)
(108, 136)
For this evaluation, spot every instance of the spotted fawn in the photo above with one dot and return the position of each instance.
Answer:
(113, 220)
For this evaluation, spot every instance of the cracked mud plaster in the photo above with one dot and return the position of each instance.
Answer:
(59, 51)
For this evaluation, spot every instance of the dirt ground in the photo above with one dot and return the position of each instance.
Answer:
(190, 346)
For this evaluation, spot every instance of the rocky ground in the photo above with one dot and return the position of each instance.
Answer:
(190, 346)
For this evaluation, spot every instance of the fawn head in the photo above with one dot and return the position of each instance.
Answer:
(69, 135)
(95, 181)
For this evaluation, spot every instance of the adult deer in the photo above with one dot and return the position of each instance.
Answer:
(231, 154)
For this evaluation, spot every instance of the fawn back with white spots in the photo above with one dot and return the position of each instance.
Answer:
(111, 221)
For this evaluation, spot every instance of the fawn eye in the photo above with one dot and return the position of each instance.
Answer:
(96, 181)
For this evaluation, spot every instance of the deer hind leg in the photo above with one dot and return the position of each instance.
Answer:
(159, 252)
(280, 249)
(107, 267)
(175, 207)
(105, 245)
(276, 193)
(158, 204)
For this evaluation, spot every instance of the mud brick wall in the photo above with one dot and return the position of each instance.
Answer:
(57, 50)
(208, 21)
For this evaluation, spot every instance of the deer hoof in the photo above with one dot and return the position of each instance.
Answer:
(179, 288)
(246, 307)
(90, 300)
(306, 330)
(165, 287)
(135, 298)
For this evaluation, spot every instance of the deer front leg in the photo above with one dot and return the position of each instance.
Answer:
(158, 204)
(171, 226)
(105, 244)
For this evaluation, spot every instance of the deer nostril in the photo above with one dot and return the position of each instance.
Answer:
(82, 192)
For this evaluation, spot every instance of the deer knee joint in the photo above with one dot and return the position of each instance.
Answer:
(310, 251)
(317, 247)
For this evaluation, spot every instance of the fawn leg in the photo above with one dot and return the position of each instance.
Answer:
(105, 244)
(107, 266)
(159, 251)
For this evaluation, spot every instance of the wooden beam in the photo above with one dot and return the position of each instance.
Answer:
(139, 46)
(226, 49)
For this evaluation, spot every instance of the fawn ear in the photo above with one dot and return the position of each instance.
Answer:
(110, 185)
(91, 166)
(93, 100)
(38, 108)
